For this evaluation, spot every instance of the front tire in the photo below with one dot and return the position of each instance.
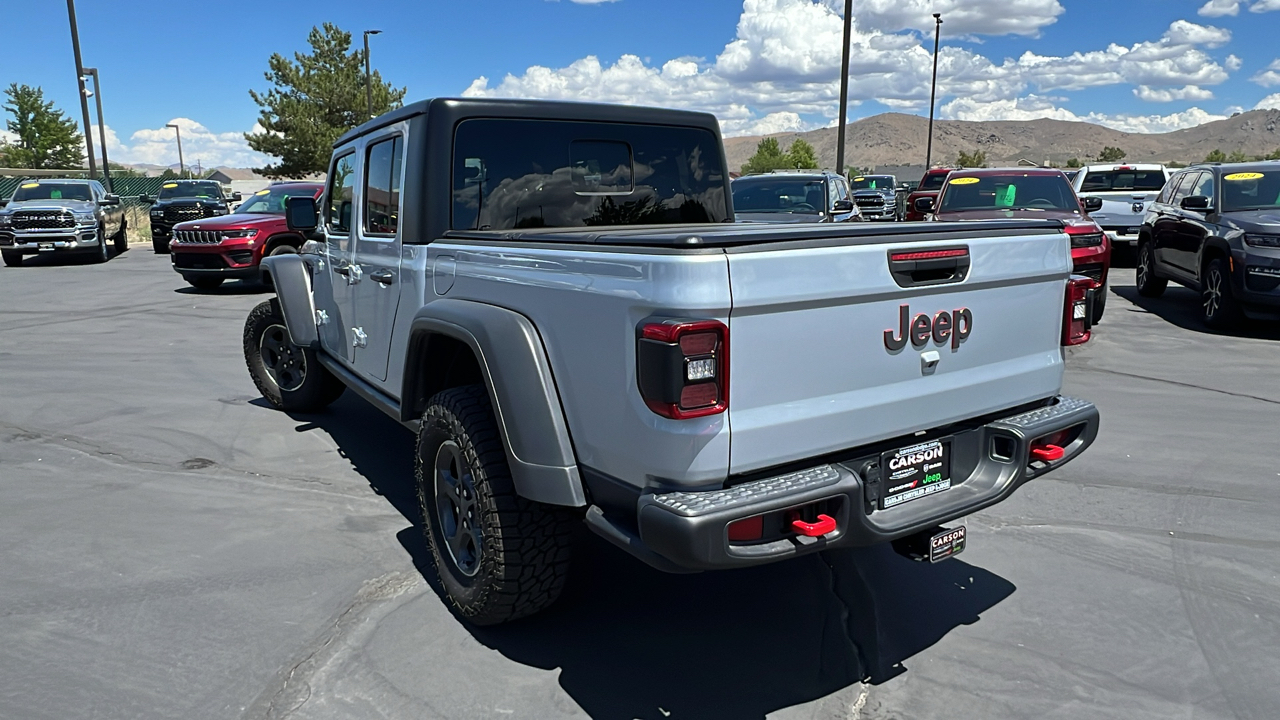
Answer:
(499, 556)
(121, 239)
(103, 252)
(1099, 303)
(1148, 284)
(159, 246)
(11, 259)
(1218, 305)
(291, 378)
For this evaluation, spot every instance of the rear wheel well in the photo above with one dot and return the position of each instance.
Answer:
(443, 362)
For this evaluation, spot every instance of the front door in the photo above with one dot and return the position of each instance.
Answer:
(1193, 228)
(377, 295)
(339, 214)
(1164, 230)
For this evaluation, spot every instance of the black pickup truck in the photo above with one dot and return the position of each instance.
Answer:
(183, 200)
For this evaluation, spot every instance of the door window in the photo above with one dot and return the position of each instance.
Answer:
(833, 193)
(382, 187)
(1183, 187)
(1204, 186)
(342, 185)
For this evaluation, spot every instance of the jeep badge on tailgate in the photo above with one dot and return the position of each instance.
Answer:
(955, 325)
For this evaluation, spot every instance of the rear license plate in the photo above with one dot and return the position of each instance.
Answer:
(915, 472)
(947, 543)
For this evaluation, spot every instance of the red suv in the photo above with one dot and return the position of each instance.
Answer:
(1031, 193)
(206, 252)
(929, 186)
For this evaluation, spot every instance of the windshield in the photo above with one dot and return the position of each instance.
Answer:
(1123, 180)
(872, 182)
(779, 195)
(209, 190)
(271, 201)
(53, 191)
(932, 182)
(1251, 190)
(1008, 192)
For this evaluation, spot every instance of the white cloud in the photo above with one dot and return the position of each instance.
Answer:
(1270, 102)
(1269, 77)
(159, 146)
(1218, 8)
(1154, 123)
(1234, 63)
(959, 17)
(1034, 107)
(1188, 92)
(7, 137)
(1264, 6)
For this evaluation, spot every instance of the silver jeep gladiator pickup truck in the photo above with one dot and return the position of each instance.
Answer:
(553, 297)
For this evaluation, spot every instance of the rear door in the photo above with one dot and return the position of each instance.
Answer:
(818, 357)
(377, 294)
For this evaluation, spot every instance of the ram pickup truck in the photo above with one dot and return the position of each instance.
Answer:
(876, 196)
(183, 200)
(1125, 192)
(61, 216)
(553, 297)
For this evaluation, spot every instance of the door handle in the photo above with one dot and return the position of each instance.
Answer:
(343, 270)
(386, 277)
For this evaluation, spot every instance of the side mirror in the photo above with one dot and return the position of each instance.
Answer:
(1199, 203)
(842, 206)
(146, 199)
(110, 200)
(1091, 204)
(300, 213)
(236, 197)
(924, 205)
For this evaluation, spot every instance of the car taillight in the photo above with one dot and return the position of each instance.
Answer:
(1077, 324)
(682, 367)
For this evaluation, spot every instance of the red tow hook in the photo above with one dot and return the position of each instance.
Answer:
(1048, 453)
(825, 524)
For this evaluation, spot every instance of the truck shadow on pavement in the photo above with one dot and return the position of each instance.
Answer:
(633, 642)
(1180, 306)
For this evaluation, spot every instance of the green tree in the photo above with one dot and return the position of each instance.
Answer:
(1175, 164)
(1111, 154)
(802, 155)
(1073, 163)
(1237, 156)
(1275, 155)
(769, 156)
(47, 138)
(976, 159)
(1215, 155)
(316, 97)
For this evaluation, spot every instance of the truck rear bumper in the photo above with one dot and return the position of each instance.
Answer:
(689, 531)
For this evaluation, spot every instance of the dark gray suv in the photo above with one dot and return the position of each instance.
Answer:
(1215, 228)
(793, 196)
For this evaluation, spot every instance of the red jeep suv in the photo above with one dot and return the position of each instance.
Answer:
(206, 252)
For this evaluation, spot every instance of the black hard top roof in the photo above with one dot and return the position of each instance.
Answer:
(459, 108)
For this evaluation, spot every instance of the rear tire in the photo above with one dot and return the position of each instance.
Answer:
(12, 259)
(291, 378)
(204, 283)
(1148, 284)
(499, 556)
(1218, 306)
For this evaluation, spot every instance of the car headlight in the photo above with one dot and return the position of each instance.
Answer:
(239, 234)
(5, 220)
(86, 218)
(1087, 240)
(157, 213)
(1267, 241)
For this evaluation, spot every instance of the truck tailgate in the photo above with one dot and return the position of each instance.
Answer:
(810, 369)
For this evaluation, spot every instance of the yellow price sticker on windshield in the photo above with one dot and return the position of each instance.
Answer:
(28, 186)
(169, 186)
(963, 181)
(1243, 176)
(263, 192)
(859, 179)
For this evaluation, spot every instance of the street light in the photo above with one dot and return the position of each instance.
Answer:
(102, 132)
(84, 99)
(182, 170)
(937, 29)
(368, 76)
(844, 84)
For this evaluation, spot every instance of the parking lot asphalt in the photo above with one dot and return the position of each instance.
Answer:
(171, 547)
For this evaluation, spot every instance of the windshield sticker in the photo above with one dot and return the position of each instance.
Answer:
(964, 181)
(1005, 195)
(1243, 176)
(28, 186)
(263, 192)
(859, 179)
(169, 186)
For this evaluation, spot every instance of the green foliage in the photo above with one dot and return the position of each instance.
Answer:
(802, 155)
(316, 97)
(1275, 155)
(1111, 154)
(1175, 164)
(976, 159)
(47, 138)
(769, 156)
(169, 173)
(1215, 155)
(1237, 157)
(1073, 163)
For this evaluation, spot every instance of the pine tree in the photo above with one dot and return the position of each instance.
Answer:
(47, 138)
(802, 155)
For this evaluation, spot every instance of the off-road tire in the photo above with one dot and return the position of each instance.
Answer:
(12, 259)
(159, 247)
(314, 388)
(121, 238)
(204, 282)
(1148, 284)
(1218, 306)
(521, 559)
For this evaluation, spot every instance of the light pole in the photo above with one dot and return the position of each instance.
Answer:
(368, 75)
(102, 132)
(182, 170)
(84, 99)
(844, 84)
(933, 89)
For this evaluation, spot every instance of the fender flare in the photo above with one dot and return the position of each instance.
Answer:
(517, 374)
(292, 280)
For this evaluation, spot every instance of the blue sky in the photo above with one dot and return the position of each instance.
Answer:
(760, 65)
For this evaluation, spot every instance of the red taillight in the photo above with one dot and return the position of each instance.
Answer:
(1076, 325)
(682, 367)
(928, 255)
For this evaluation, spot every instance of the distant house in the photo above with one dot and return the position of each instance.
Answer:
(219, 176)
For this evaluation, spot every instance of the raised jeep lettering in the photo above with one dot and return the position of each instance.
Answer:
(955, 325)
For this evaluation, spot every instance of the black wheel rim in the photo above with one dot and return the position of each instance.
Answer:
(1144, 263)
(456, 514)
(284, 362)
(1212, 293)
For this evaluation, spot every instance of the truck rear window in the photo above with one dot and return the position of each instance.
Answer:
(1120, 180)
(511, 174)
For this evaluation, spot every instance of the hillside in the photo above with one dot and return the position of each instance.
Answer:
(898, 139)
